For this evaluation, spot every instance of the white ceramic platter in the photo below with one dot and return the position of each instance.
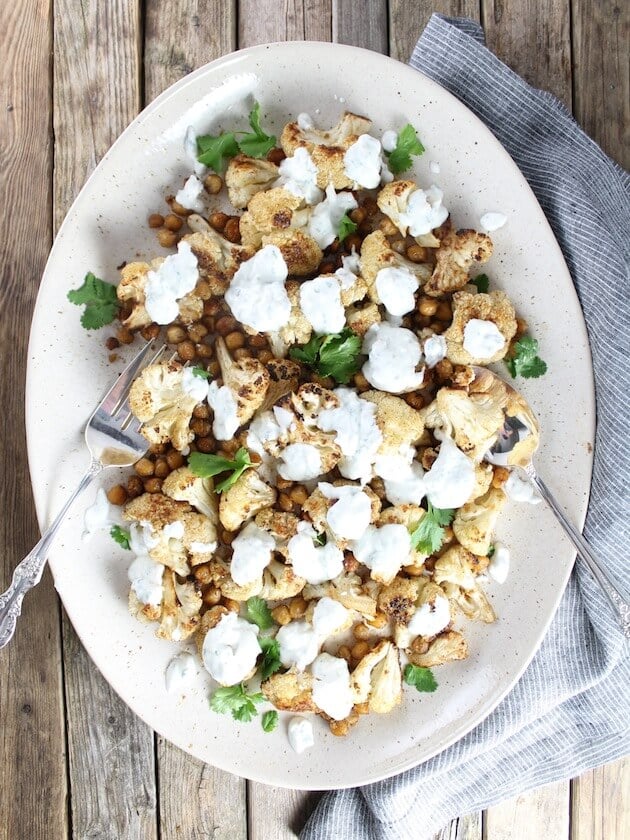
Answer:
(68, 370)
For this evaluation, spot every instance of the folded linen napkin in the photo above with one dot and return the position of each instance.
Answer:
(570, 711)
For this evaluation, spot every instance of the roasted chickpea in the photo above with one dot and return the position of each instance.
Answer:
(162, 468)
(153, 485)
(175, 334)
(117, 495)
(173, 222)
(427, 306)
(234, 340)
(167, 238)
(186, 351)
(213, 183)
(155, 220)
(218, 220)
(144, 467)
(281, 615)
(174, 459)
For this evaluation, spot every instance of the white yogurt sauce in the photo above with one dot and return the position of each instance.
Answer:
(173, 530)
(362, 162)
(434, 167)
(300, 733)
(197, 547)
(230, 649)
(394, 465)
(407, 487)
(520, 490)
(383, 550)
(252, 551)
(350, 269)
(300, 462)
(323, 224)
(195, 386)
(314, 563)
(482, 339)
(145, 576)
(492, 221)
(424, 212)
(329, 617)
(350, 515)
(389, 140)
(180, 673)
(430, 619)
(175, 278)
(257, 296)
(357, 433)
(451, 479)
(298, 175)
(97, 516)
(396, 288)
(190, 195)
(221, 401)
(499, 565)
(190, 149)
(142, 537)
(434, 349)
(331, 686)
(299, 644)
(320, 301)
(393, 353)
(305, 122)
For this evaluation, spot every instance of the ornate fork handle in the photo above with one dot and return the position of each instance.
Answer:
(28, 573)
(618, 601)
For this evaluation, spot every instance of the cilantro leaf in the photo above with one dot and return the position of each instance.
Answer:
(202, 373)
(214, 151)
(259, 613)
(270, 662)
(259, 143)
(421, 678)
(407, 145)
(234, 699)
(346, 227)
(206, 466)
(320, 539)
(491, 551)
(524, 359)
(335, 355)
(120, 535)
(428, 535)
(99, 299)
(481, 281)
(269, 720)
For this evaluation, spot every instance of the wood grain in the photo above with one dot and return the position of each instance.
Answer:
(32, 740)
(600, 803)
(277, 813)
(361, 24)
(601, 73)
(260, 21)
(407, 20)
(543, 812)
(468, 827)
(110, 751)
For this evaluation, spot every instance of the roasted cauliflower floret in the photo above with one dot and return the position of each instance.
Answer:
(244, 499)
(376, 254)
(299, 250)
(474, 523)
(473, 603)
(483, 479)
(184, 486)
(280, 581)
(297, 330)
(180, 609)
(217, 258)
(408, 515)
(495, 307)
(163, 517)
(269, 212)
(473, 421)
(131, 289)
(247, 176)
(457, 252)
(200, 537)
(317, 505)
(247, 379)
(327, 148)
(284, 376)
(398, 599)
(282, 526)
(361, 319)
(377, 679)
(348, 589)
(158, 399)
(444, 648)
(400, 425)
(145, 613)
(290, 692)
(394, 201)
(454, 567)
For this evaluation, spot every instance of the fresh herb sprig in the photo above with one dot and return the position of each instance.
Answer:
(428, 536)
(215, 151)
(482, 282)
(259, 613)
(420, 678)
(269, 720)
(99, 299)
(335, 354)
(524, 360)
(121, 536)
(234, 699)
(201, 372)
(346, 227)
(270, 662)
(407, 144)
(206, 466)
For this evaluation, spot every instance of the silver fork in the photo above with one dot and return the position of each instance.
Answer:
(112, 435)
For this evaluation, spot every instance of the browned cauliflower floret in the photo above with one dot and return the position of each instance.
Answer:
(406, 514)
(473, 603)
(244, 499)
(217, 258)
(454, 567)
(200, 537)
(393, 201)
(158, 399)
(299, 250)
(473, 421)
(474, 522)
(327, 148)
(144, 612)
(247, 379)
(376, 254)
(131, 289)
(290, 692)
(348, 589)
(282, 526)
(246, 176)
(483, 479)
(269, 212)
(184, 486)
(284, 376)
(400, 424)
(444, 648)
(377, 679)
(297, 330)
(397, 599)
(180, 609)
(361, 319)
(317, 505)
(280, 581)
(457, 252)
(495, 307)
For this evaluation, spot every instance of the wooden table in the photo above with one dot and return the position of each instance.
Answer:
(75, 760)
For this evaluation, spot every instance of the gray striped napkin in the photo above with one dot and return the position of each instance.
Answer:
(570, 711)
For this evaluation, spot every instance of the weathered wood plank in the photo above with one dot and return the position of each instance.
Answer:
(534, 38)
(468, 827)
(601, 74)
(361, 24)
(32, 736)
(543, 812)
(600, 803)
(407, 20)
(261, 21)
(111, 752)
(277, 813)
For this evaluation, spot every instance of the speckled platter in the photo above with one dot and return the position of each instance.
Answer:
(68, 370)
